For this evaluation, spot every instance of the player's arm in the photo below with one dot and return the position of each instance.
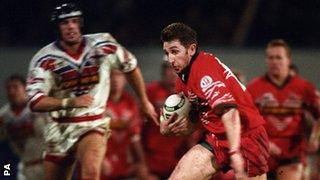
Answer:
(136, 81)
(232, 125)
(124, 60)
(231, 122)
(39, 84)
(174, 127)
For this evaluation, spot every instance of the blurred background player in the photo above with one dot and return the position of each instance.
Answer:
(125, 157)
(162, 153)
(70, 78)
(23, 129)
(282, 100)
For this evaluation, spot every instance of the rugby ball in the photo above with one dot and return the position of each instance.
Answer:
(176, 103)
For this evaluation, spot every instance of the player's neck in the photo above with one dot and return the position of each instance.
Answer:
(278, 79)
(72, 48)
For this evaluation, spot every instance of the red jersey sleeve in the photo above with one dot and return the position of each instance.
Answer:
(211, 82)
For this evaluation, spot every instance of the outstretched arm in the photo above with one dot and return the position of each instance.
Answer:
(137, 83)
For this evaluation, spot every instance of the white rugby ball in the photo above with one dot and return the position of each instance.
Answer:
(176, 103)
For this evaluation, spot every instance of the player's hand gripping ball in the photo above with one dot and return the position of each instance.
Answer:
(176, 103)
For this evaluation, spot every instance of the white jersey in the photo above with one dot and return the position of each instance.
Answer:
(55, 73)
(25, 135)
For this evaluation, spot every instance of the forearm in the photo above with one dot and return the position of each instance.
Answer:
(232, 125)
(47, 104)
(137, 83)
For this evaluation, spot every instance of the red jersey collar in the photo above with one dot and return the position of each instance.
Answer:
(286, 81)
(184, 75)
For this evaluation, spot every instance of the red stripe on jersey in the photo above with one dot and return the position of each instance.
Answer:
(78, 119)
(109, 49)
(48, 64)
(35, 80)
(90, 70)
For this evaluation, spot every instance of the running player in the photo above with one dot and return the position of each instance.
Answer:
(234, 135)
(70, 79)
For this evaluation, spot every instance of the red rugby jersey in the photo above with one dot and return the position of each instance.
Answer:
(127, 123)
(282, 106)
(211, 87)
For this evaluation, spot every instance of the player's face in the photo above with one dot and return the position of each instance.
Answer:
(16, 92)
(178, 55)
(70, 30)
(118, 81)
(278, 61)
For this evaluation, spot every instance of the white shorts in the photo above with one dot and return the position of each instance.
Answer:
(61, 138)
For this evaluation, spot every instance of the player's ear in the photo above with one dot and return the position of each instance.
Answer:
(192, 49)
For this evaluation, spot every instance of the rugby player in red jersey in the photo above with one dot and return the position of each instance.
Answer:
(282, 100)
(234, 135)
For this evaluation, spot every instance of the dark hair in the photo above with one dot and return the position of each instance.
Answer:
(179, 31)
(281, 43)
(16, 77)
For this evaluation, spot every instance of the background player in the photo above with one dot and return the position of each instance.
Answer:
(125, 156)
(282, 100)
(70, 79)
(161, 161)
(234, 133)
(23, 129)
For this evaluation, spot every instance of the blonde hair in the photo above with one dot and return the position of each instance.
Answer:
(280, 43)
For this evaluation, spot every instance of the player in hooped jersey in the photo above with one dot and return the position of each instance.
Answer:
(23, 129)
(234, 134)
(70, 79)
(282, 99)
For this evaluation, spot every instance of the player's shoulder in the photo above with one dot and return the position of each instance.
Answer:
(301, 81)
(46, 50)
(256, 80)
(99, 38)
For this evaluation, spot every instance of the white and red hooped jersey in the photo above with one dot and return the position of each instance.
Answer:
(25, 133)
(53, 72)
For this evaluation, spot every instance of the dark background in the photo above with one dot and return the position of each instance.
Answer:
(139, 22)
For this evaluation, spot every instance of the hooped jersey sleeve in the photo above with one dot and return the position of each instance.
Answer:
(118, 56)
(40, 77)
